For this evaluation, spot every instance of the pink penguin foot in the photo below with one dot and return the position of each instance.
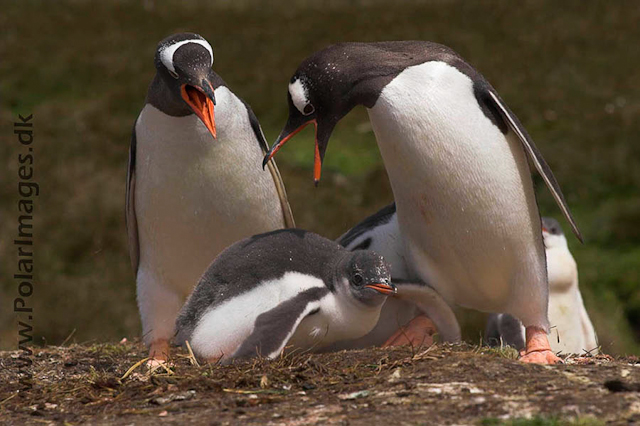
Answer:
(537, 350)
(418, 332)
(158, 353)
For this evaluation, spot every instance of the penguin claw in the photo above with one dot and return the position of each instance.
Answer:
(541, 357)
(154, 363)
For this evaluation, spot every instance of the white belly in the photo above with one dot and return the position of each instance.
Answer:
(463, 192)
(195, 195)
(564, 317)
(223, 329)
(572, 331)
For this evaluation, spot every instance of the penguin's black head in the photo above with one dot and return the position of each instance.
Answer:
(326, 86)
(368, 277)
(552, 233)
(551, 226)
(183, 62)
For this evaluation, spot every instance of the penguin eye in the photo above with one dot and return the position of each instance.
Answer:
(308, 109)
(357, 279)
(173, 74)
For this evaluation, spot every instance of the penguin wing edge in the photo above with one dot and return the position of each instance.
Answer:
(282, 194)
(273, 169)
(433, 305)
(536, 157)
(130, 211)
(274, 328)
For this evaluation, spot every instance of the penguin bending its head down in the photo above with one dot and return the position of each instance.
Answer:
(194, 184)
(456, 157)
(572, 331)
(283, 288)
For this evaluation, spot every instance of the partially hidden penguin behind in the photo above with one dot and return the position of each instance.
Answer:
(287, 288)
(572, 331)
(456, 157)
(194, 183)
(415, 302)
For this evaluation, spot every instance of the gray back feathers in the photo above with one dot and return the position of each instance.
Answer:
(249, 262)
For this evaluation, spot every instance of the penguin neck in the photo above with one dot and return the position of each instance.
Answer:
(160, 96)
(334, 280)
(232, 117)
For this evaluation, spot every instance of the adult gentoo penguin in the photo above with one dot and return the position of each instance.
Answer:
(283, 288)
(194, 184)
(456, 157)
(572, 331)
(380, 233)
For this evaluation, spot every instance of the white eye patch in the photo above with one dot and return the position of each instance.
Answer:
(166, 53)
(299, 97)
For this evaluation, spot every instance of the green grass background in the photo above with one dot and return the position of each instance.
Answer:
(568, 69)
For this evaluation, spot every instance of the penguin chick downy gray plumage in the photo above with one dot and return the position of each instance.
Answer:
(379, 232)
(572, 331)
(283, 288)
(456, 157)
(194, 184)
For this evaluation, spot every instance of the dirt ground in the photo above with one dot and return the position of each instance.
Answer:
(443, 384)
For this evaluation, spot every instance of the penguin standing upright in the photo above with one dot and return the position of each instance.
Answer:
(283, 288)
(194, 184)
(572, 332)
(456, 157)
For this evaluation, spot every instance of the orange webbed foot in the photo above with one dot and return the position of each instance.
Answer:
(418, 332)
(537, 350)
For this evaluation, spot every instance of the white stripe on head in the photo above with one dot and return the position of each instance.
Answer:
(166, 52)
(298, 95)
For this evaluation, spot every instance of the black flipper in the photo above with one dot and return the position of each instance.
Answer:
(273, 169)
(432, 304)
(536, 157)
(274, 328)
(130, 211)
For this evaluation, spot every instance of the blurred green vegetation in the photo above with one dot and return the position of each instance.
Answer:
(569, 70)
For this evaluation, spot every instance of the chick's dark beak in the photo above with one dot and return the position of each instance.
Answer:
(201, 99)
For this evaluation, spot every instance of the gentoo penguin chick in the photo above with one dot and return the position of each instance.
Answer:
(379, 232)
(572, 331)
(283, 288)
(194, 184)
(456, 157)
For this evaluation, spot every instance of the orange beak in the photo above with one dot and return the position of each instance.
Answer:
(383, 288)
(317, 163)
(201, 105)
